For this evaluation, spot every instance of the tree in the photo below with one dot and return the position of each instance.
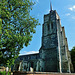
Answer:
(73, 57)
(16, 28)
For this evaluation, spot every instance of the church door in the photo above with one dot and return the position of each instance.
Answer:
(32, 64)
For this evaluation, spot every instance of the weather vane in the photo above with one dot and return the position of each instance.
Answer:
(50, 6)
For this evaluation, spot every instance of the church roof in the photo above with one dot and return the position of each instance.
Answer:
(29, 56)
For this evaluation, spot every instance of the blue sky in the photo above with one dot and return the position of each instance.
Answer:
(66, 11)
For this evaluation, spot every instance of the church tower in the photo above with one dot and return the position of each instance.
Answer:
(54, 50)
(49, 49)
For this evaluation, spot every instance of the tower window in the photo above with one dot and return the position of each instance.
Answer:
(51, 25)
(48, 27)
(61, 33)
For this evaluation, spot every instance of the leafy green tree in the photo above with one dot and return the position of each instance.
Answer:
(73, 57)
(16, 28)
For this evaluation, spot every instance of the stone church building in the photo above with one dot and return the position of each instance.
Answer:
(54, 55)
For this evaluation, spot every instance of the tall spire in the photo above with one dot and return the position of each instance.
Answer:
(50, 6)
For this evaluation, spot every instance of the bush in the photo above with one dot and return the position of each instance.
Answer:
(4, 73)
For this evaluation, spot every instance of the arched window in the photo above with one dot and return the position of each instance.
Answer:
(51, 25)
(24, 66)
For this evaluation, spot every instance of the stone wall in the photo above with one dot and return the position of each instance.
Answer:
(41, 73)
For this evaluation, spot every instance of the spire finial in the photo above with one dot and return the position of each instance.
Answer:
(50, 6)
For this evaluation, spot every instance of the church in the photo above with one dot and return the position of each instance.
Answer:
(54, 55)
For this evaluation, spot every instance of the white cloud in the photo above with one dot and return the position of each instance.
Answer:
(68, 14)
(72, 8)
(37, 0)
(73, 17)
(30, 52)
